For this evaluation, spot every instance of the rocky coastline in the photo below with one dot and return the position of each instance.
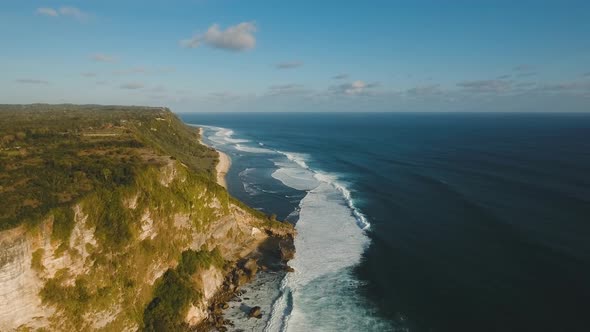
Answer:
(272, 256)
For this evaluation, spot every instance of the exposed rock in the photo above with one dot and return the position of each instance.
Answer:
(255, 312)
(250, 267)
(287, 249)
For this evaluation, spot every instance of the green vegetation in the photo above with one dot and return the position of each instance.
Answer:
(72, 298)
(112, 220)
(36, 259)
(175, 291)
(52, 155)
(63, 223)
(193, 261)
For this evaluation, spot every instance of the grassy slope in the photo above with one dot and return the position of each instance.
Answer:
(53, 155)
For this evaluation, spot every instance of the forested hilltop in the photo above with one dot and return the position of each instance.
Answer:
(111, 219)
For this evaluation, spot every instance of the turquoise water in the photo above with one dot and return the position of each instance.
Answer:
(421, 222)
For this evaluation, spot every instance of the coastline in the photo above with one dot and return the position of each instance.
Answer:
(222, 166)
(254, 282)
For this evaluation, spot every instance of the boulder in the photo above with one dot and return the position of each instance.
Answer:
(255, 312)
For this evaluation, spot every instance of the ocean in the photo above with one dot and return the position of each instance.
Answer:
(420, 221)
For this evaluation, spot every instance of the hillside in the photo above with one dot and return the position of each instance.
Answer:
(110, 219)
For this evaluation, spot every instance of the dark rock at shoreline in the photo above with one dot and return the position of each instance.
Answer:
(287, 249)
(255, 312)
(251, 267)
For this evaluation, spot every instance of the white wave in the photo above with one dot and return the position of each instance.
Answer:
(297, 178)
(298, 158)
(251, 189)
(328, 243)
(332, 180)
(251, 149)
(246, 172)
(223, 136)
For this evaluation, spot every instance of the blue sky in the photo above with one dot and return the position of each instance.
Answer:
(239, 55)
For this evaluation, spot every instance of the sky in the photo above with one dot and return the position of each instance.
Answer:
(299, 56)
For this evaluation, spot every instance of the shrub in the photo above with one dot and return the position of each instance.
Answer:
(63, 224)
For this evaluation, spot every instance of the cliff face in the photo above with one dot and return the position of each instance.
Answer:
(87, 282)
(149, 252)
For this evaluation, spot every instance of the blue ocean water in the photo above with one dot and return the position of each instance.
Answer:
(421, 221)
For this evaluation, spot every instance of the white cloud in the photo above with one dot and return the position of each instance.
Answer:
(289, 65)
(73, 12)
(103, 58)
(238, 37)
(132, 86)
(355, 88)
(47, 11)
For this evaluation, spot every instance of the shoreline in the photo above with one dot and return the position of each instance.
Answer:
(223, 165)
(230, 309)
(222, 168)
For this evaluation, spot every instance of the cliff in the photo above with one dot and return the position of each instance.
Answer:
(145, 243)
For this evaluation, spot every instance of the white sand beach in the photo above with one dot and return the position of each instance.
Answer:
(222, 167)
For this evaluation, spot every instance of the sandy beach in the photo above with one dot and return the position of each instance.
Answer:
(222, 167)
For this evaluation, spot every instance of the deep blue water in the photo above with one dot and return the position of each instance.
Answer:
(478, 222)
